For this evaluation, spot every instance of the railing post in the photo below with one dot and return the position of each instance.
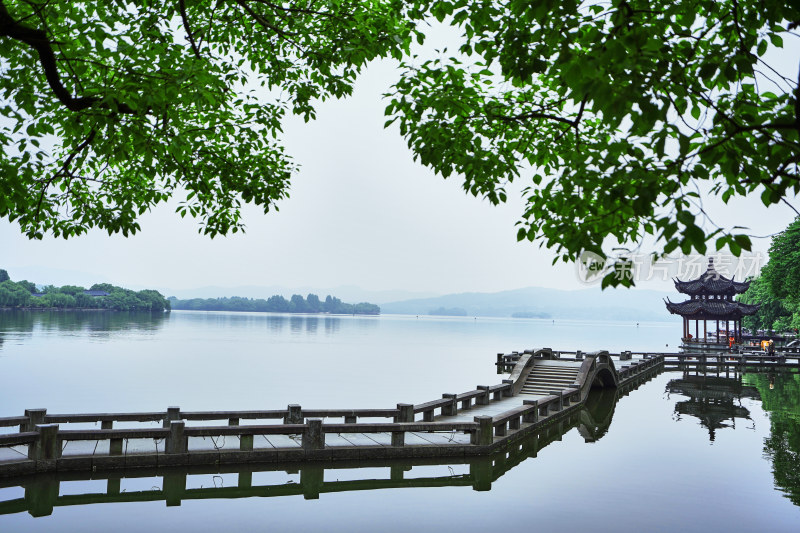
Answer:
(532, 416)
(406, 412)
(500, 429)
(35, 418)
(106, 424)
(233, 421)
(313, 437)
(396, 472)
(312, 478)
(41, 495)
(115, 447)
(483, 435)
(294, 415)
(47, 446)
(480, 470)
(398, 438)
(579, 355)
(559, 405)
(173, 413)
(174, 488)
(246, 443)
(510, 390)
(176, 440)
(245, 480)
(350, 419)
(452, 408)
(564, 398)
(483, 399)
(501, 367)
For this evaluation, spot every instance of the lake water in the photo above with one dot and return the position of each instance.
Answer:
(681, 452)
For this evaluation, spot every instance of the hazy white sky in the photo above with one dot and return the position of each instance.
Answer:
(361, 213)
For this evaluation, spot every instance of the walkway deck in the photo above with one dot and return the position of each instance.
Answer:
(473, 423)
(544, 386)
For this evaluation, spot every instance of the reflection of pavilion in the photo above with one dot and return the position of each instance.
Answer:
(713, 400)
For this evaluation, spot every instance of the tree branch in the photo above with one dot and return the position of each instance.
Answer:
(38, 40)
(64, 171)
(189, 35)
(537, 114)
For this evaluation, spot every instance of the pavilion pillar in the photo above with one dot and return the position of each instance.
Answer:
(705, 330)
(717, 331)
(696, 329)
(727, 331)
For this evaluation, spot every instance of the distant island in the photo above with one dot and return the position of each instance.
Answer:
(277, 304)
(100, 296)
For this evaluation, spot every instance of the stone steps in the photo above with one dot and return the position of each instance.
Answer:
(544, 379)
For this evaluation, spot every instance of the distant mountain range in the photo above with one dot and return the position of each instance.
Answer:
(611, 304)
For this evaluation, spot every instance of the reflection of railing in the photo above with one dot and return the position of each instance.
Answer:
(42, 491)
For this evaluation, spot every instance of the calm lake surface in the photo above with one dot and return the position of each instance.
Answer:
(682, 452)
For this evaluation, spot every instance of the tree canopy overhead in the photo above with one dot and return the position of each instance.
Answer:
(622, 116)
(108, 108)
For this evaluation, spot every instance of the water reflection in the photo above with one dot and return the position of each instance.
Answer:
(713, 400)
(17, 321)
(297, 324)
(717, 403)
(780, 397)
(44, 492)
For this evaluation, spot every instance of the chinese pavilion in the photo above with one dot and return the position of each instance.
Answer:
(711, 298)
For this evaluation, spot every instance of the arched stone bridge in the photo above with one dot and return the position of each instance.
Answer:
(543, 387)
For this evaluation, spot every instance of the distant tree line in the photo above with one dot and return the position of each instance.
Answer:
(24, 294)
(277, 304)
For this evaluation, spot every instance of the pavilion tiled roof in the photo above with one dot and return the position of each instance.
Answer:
(711, 282)
(711, 309)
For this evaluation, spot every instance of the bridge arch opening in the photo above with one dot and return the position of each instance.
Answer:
(603, 379)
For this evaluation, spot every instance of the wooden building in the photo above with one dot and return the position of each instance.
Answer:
(711, 299)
